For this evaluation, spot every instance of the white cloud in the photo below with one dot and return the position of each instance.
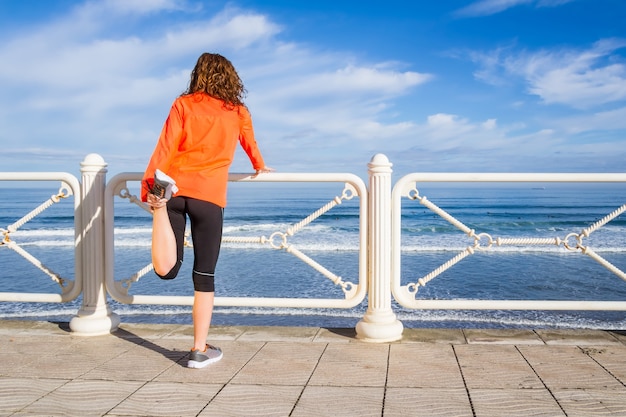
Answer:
(552, 3)
(580, 79)
(450, 131)
(491, 7)
(75, 88)
(96, 91)
(95, 8)
(346, 104)
(90, 90)
(450, 143)
(604, 121)
(75, 60)
(577, 78)
(303, 100)
(364, 79)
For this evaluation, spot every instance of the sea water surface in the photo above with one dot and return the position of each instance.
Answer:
(521, 272)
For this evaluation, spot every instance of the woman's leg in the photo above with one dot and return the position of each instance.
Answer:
(163, 242)
(206, 231)
(201, 314)
(166, 251)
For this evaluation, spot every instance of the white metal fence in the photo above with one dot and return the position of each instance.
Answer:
(69, 187)
(379, 269)
(574, 241)
(354, 292)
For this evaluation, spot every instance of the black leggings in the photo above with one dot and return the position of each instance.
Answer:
(206, 220)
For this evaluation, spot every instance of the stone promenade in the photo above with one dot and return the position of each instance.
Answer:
(289, 371)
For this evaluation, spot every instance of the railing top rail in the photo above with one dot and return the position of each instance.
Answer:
(514, 177)
(272, 177)
(295, 177)
(41, 176)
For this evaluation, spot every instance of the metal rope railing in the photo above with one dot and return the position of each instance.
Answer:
(277, 240)
(485, 242)
(9, 243)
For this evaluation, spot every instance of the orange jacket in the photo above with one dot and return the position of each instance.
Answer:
(197, 146)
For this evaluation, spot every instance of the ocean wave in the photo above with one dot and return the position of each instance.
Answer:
(343, 245)
(38, 313)
(500, 319)
(338, 236)
(29, 233)
(319, 317)
(48, 243)
(269, 228)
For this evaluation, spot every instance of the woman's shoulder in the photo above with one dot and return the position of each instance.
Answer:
(243, 110)
(193, 98)
(204, 98)
(205, 102)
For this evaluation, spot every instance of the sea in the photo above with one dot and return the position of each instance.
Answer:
(331, 238)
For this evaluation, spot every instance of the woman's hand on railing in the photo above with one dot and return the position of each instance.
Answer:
(263, 170)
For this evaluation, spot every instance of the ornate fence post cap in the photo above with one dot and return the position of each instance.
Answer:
(93, 159)
(380, 163)
(380, 159)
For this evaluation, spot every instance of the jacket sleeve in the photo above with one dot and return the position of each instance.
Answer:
(246, 139)
(166, 146)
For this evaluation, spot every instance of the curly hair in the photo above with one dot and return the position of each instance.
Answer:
(217, 77)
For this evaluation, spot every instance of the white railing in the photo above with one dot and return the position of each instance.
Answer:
(406, 187)
(379, 273)
(354, 292)
(70, 289)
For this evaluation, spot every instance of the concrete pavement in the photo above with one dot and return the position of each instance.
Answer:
(295, 371)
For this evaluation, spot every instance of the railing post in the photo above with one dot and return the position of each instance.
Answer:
(379, 324)
(95, 316)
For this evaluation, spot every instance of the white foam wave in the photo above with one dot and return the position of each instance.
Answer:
(504, 321)
(339, 246)
(119, 231)
(34, 314)
(323, 237)
(47, 243)
(29, 233)
(438, 318)
(269, 228)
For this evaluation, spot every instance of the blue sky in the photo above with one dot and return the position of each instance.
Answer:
(483, 86)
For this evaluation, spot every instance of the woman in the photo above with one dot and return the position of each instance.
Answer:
(187, 176)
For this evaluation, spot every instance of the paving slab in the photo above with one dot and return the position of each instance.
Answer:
(495, 366)
(254, 400)
(515, 403)
(568, 367)
(279, 334)
(591, 402)
(427, 402)
(340, 401)
(503, 336)
(445, 336)
(420, 365)
(577, 337)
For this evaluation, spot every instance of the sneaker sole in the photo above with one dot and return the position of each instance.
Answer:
(198, 365)
(160, 190)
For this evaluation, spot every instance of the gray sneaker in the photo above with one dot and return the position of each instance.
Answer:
(199, 359)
